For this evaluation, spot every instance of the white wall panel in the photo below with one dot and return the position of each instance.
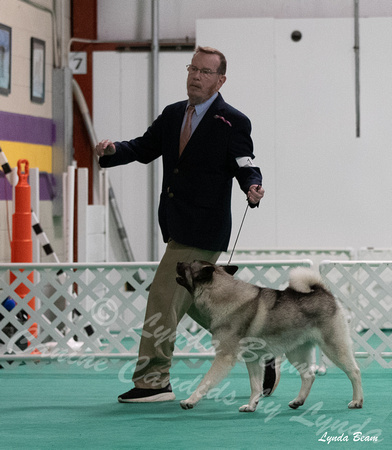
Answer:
(315, 116)
(134, 104)
(121, 112)
(373, 180)
(106, 94)
(376, 85)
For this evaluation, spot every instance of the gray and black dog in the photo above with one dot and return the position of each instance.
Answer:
(254, 324)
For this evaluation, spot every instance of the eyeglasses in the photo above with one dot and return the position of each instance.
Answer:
(203, 72)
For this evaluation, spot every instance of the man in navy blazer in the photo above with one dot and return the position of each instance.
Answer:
(195, 204)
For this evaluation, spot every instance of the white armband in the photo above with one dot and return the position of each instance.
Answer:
(245, 161)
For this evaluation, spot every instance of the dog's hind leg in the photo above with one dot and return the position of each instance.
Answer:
(338, 349)
(301, 359)
(220, 368)
(256, 377)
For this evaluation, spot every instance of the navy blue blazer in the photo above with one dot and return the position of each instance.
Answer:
(195, 201)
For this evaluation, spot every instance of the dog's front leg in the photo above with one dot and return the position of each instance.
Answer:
(219, 370)
(256, 377)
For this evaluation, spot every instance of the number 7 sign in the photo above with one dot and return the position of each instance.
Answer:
(77, 62)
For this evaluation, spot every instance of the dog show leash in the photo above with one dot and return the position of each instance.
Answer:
(239, 231)
(238, 235)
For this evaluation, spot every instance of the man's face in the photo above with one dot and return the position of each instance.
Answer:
(201, 87)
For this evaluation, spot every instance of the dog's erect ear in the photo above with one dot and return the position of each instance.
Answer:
(205, 273)
(231, 270)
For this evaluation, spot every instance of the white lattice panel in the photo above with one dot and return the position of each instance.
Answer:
(87, 309)
(315, 255)
(272, 274)
(374, 254)
(365, 289)
(98, 310)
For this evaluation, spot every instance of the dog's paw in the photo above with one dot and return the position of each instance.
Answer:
(321, 371)
(247, 408)
(296, 404)
(356, 404)
(186, 405)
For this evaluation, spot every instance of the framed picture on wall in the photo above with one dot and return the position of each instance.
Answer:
(37, 71)
(5, 59)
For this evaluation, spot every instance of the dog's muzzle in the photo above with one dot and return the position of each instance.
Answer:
(181, 272)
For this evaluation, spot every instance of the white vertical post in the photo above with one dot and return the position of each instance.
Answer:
(106, 205)
(34, 202)
(65, 194)
(69, 217)
(15, 180)
(82, 214)
(34, 185)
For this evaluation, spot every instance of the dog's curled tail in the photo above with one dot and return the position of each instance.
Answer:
(303, 279)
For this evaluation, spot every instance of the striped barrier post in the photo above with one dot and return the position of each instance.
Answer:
(4, 165)
(7, 169)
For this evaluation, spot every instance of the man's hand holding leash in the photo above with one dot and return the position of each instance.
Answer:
(255, 193)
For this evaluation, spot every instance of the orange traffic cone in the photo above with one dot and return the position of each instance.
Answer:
(22, 244)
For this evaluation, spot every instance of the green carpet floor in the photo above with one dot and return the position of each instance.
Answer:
(62, 406)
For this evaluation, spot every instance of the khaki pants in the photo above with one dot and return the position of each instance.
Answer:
(167, 304)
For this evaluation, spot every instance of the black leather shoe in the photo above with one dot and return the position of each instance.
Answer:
(137, 395)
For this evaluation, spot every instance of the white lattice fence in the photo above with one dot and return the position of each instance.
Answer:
(374, 254)
(365, 289)
(97, 310)
(315, 255)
